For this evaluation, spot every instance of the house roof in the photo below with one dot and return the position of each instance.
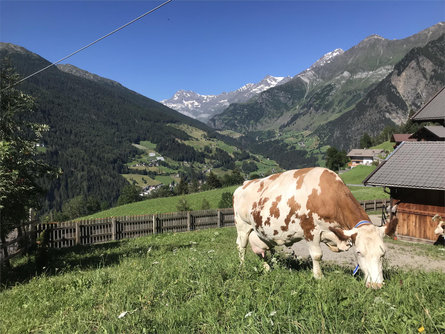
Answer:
(418, 164)
(436, 130)
(433, 110)
(364, 152)
(399, 137)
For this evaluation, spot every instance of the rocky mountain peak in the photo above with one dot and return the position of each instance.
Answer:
(373, 37)
(202, 107)
(327, 58)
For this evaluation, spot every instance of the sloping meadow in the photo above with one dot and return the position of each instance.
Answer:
(191, 282)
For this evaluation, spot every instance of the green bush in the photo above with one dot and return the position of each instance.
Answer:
(183, 205)
(226, 200)
(205, 205)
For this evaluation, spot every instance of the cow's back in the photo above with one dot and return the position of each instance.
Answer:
(295, 203)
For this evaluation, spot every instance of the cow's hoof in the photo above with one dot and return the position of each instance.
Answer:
(374, 286)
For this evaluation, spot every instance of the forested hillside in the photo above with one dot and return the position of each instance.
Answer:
(93, 125)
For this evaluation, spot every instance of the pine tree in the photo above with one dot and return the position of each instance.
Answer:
(21, 167)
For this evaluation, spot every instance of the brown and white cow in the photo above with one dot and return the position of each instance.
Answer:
(312, 204)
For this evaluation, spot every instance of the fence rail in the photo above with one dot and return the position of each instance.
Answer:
(375, 204)
(93, 231)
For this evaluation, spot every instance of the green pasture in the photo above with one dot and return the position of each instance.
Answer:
(387, 146)
(166, 179)
(165, 204)
(357, 174)
(169, 204)
(140, 180)
(368, 193)
(191, 282)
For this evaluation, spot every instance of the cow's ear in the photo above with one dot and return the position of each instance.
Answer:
(390, 228)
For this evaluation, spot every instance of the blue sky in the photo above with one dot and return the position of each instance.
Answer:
(205, 46)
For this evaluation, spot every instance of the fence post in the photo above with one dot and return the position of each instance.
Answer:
(189, 221)
(155, 224)
(219, 218)
(113, 228)
(375, 205)
(77, 225)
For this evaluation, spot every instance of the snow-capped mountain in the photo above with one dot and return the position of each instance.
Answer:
(327, 58)
(203, 107)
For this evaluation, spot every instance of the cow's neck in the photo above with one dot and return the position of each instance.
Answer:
(351, 216)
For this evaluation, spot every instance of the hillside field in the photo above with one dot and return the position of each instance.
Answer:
(191, 282)
(169, 204)
(165, 204)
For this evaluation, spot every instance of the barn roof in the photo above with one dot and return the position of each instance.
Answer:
(364, 152)
(433, 110)
(412, 165)
(399, 137)
(436, 130)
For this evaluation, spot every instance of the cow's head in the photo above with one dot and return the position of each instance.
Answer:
(369, 249)
(440, 229)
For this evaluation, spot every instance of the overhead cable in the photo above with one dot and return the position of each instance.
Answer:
(87, 46)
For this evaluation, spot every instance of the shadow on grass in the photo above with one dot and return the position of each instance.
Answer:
(294, 263)
(63, 260)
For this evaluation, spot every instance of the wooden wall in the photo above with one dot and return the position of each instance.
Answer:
(416, 210)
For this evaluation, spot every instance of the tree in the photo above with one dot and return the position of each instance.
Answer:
(75, 207)
(212, 181)
(21, 166)
(233, 178)
(182, 187)
(205, 205)
(194, 186)
(365, 141)
(183, 205)
(226, 200)
(129, 194)
(335, 159)
(249, 167)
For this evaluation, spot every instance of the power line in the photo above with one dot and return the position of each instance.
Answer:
(87, 46)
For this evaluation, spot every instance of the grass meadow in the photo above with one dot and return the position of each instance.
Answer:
(191, 282)
(165, 204)
(357, 174)
(169, 204)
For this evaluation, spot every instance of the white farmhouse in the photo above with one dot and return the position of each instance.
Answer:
(364, 156)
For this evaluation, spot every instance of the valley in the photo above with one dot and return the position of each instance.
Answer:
(150, 169)
(105, 137)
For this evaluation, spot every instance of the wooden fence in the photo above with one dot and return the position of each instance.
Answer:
(375, 204)
(93, 231)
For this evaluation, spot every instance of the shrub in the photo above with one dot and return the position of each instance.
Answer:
(205, 205)
(226, 200)
(183, 205)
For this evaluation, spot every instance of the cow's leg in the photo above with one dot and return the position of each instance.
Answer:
(316, 255)
(243, 229)
(334, 243)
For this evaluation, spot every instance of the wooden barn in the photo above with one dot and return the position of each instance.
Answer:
(415, 175)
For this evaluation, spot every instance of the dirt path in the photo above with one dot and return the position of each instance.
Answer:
(403, 255)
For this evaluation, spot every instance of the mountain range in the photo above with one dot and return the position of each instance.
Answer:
(338, 85)
(203, 107)
(333, 91)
